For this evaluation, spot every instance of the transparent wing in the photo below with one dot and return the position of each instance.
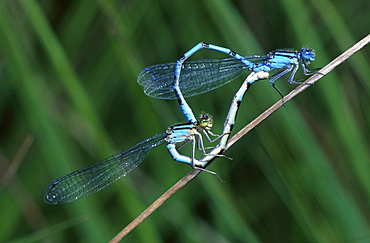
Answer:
(95, 177)
(197, 76)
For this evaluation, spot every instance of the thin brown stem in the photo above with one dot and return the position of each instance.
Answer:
(192, 174)
(147, 212)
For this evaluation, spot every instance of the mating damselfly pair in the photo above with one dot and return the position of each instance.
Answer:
(178, 80)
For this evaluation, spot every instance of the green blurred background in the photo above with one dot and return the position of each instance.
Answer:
(69, 97)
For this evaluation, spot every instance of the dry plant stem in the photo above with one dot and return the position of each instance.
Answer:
(181, 183)
(191, 175)
(16, 162)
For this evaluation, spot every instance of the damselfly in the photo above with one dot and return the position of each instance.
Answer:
(95, 177)
(164, 81)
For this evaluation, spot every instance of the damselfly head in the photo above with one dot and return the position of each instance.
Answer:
(308, 54)
(205, 121)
